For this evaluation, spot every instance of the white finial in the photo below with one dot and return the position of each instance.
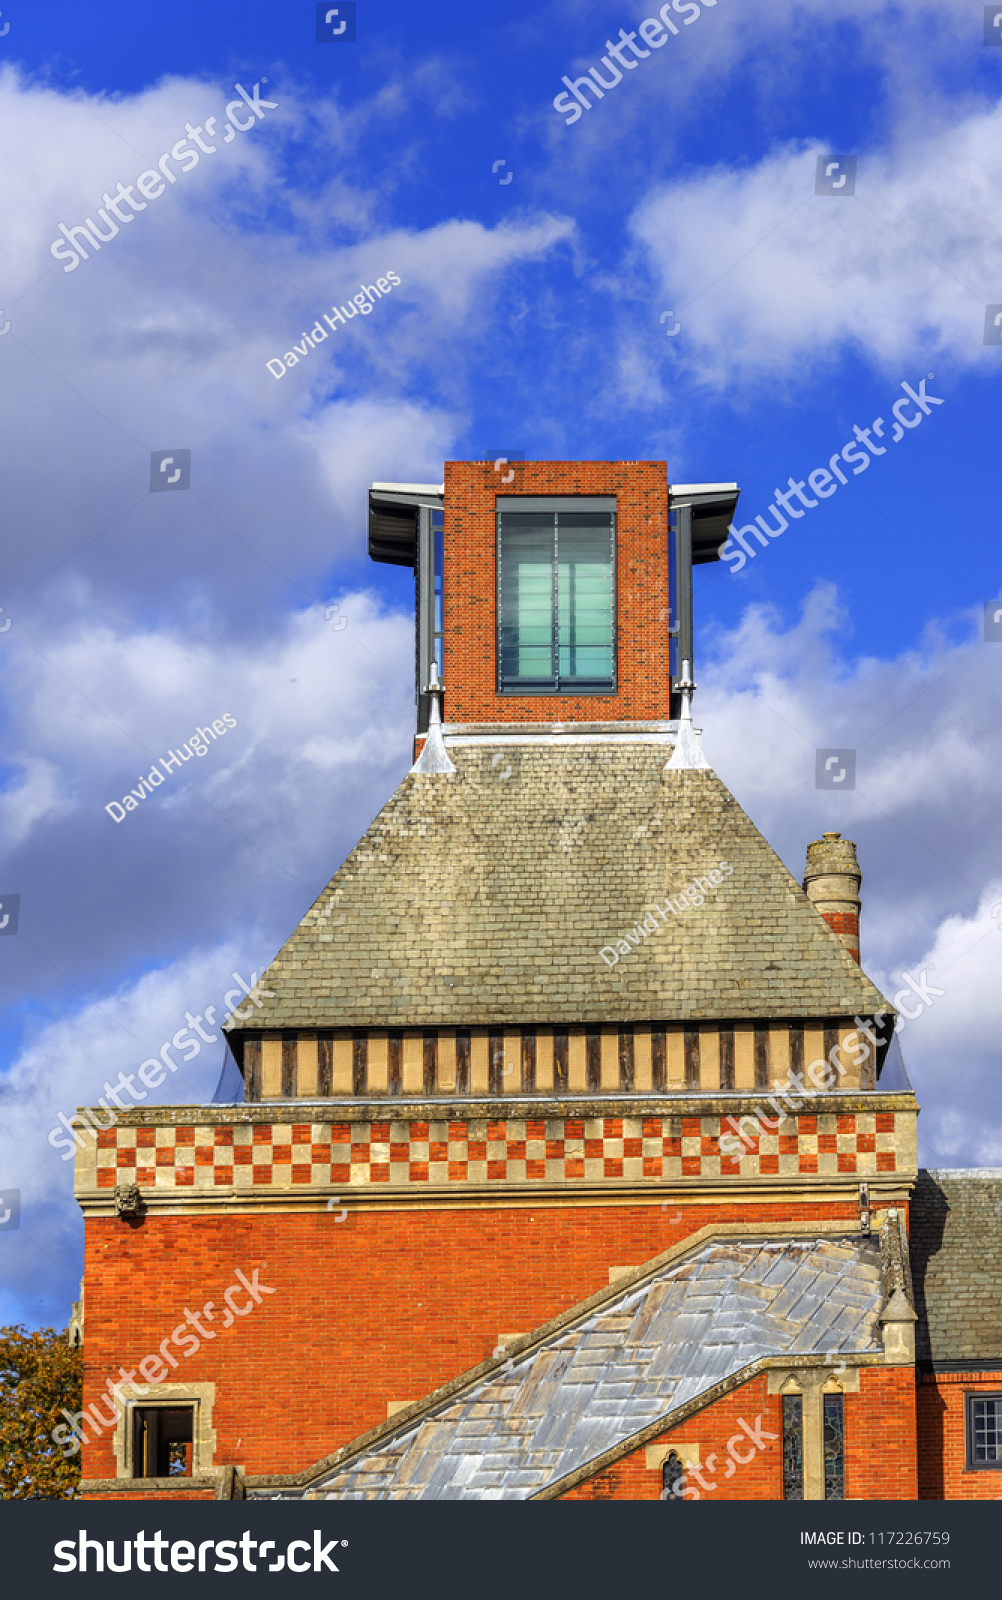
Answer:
(434, 757)
(687, 755)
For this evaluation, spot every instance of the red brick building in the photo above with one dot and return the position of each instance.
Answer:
(572, 1155)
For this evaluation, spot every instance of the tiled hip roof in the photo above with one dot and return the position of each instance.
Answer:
(489, 895)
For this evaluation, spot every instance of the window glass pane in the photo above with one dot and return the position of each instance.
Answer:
(525, 630)
(672, 1478)
(986, 1425)
(834, 1448)
(556, 598)
(793, 1447)
(584, 589)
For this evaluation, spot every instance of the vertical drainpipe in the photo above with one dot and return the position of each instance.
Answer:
(683, 591)
(425, 586)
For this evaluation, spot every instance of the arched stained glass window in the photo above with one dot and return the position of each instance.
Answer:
(672, 1478)
(834, 1447)
(793, 1447)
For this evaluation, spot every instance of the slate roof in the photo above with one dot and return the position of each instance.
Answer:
(485, 896)
(956, 1251)
(630, 1363)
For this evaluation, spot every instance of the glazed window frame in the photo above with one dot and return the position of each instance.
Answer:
(556, 580)
(972, 1400)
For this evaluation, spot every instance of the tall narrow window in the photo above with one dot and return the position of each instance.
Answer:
(672, 1478)
(984, 1430)
(833, 1444)
(793, 1447)
(556, 599)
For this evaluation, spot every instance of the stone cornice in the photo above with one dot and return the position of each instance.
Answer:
(416, 1108)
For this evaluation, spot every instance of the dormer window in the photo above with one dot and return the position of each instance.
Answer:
(556, 587)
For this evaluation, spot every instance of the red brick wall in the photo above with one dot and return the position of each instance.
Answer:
(879, 1446)
(641, 490)
(942, 1440)
(384, 1306)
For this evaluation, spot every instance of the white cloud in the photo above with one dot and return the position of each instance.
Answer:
(952, 1047)
(111, 702)
(66, 1064)
(926, 727)
(769, 279)
(164, 336)
(39, 794)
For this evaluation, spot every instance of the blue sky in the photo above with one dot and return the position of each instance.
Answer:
(529, 317)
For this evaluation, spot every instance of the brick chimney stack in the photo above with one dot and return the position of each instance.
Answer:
(831, 881)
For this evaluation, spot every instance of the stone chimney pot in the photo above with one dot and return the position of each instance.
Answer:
(831, 882)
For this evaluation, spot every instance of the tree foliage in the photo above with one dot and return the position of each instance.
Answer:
(39, 1376)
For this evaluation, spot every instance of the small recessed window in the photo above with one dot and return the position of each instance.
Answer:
(556, 573)
(162, 1441)
(984, 1430)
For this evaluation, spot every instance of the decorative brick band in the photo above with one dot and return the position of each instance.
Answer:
(358, 1154)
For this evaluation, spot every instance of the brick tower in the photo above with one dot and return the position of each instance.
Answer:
(563, 1165)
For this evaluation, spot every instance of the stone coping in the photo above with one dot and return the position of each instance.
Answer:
(543, 1107)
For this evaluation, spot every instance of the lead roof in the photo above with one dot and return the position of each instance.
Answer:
(629, 1365)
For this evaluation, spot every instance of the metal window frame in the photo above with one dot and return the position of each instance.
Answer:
(970, 1398)
(426, 635)
(554, 505)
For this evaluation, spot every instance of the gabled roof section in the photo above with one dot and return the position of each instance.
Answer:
(487, 896)
(627, 1363)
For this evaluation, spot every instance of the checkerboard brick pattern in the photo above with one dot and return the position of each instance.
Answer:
(487, 1150)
